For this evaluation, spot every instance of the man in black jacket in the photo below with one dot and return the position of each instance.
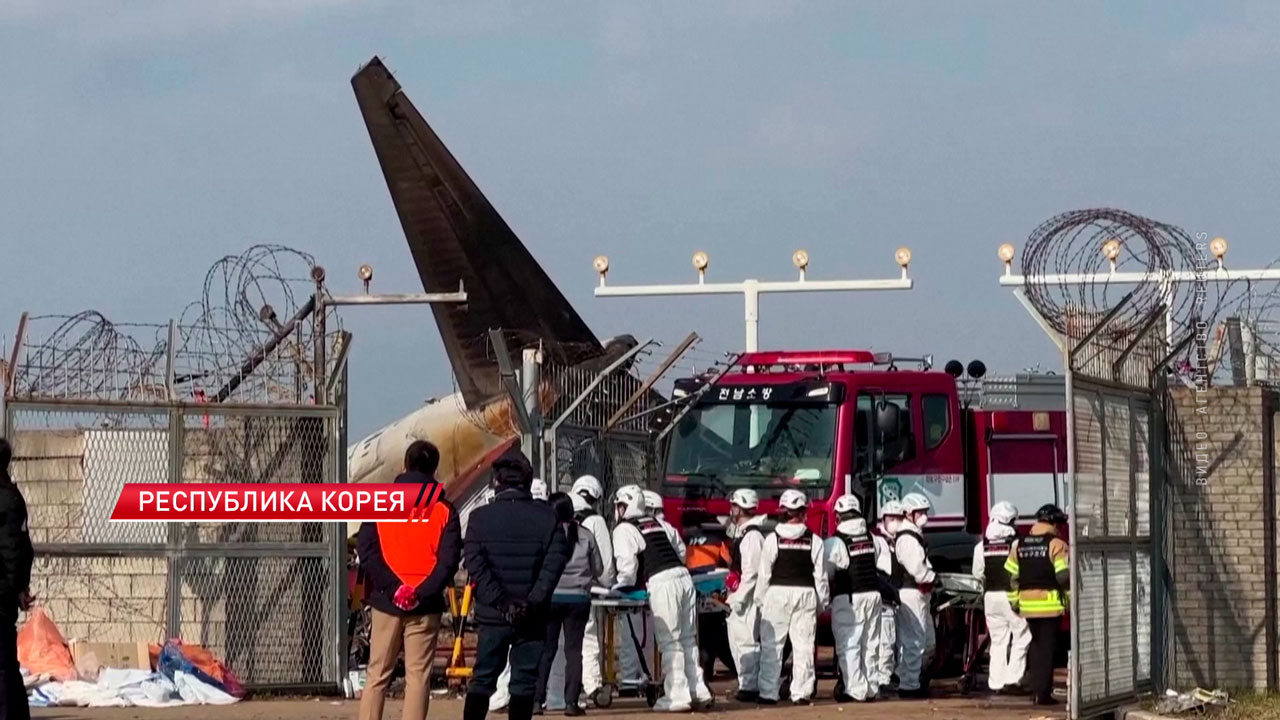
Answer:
(16, 557)
(408, 566)
(514, 553)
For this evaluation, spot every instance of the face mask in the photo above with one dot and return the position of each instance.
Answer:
(922, 520)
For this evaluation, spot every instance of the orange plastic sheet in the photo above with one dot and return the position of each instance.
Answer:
(42, 649)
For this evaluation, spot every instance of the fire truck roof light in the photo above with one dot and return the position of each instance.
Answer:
(816, 357)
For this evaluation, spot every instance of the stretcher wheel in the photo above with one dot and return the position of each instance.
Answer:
(651, 695)
(603, 697)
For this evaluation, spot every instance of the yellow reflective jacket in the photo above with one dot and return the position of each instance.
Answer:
(1041, 602)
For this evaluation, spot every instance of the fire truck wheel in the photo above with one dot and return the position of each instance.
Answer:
(603, 697)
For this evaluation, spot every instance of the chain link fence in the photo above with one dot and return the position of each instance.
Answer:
(266, 598)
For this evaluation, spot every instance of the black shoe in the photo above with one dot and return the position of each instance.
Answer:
(521, 708)
(475, 707)
(886, 690)
(746, 696)
(801, 702)
(1046, 701)
(704, 705)
(842, 698)
(766, 701)
(574, 711)
(1013, 691)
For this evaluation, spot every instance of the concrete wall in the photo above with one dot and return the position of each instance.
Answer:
(1217, 563)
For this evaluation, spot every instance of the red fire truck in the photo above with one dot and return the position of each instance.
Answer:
(836, 421)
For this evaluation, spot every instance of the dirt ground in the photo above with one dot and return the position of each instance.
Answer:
(945, 707)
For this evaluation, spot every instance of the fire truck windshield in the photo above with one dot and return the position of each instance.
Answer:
(716, 448)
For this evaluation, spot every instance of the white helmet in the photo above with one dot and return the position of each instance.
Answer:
(848, 503)
(1004, 513)
(893, 508)
(631, 498)
(538, 489)
(915, 502)
(653, 502)
(589, 487)
(745, 498)
(793, 500)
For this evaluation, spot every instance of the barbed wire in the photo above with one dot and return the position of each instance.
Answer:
(246, 300)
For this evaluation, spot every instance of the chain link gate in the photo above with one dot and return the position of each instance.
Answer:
(1114, 436)
(90, 407)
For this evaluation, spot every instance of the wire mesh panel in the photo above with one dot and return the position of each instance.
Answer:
(268, 598)
(262, 615)
(1111, 580)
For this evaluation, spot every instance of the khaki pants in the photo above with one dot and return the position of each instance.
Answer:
(418, 636)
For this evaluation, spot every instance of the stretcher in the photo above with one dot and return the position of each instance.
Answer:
(963, 593)
(627, 606)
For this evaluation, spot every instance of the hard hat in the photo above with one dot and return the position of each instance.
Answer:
(1004, 513)
(745, 498)
(652, 501)
(589, 487)
(915, 502)
(793, 500)
(893, 508)
(1051, 514)
(846, 504)
(538, 489)
(631, 498)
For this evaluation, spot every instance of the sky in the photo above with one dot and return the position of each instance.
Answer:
(141, 141)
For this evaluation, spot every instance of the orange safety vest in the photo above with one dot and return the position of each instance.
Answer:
(707, 555)
(409, 548)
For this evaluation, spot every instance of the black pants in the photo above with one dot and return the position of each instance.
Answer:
(573, 618)
(713, 644)
(1040, 656)
(493, 643)
(13, 704)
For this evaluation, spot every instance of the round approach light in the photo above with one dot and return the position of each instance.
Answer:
(601, 264)
(701, 261)
(1218, 246)
(800, 259)
(1111, 249)
(1005, 252)
(903, 256)
(365, 273)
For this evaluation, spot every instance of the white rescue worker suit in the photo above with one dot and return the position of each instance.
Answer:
(743, 623)
(645, 551)
(792, 590)
(851, 562)
(1010, 636)
(886, 650)
(632, 672)
(586, 494)
(914, 577)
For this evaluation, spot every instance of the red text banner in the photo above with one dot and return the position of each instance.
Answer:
(251, 502)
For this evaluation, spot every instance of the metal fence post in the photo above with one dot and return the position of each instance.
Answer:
(173, 550)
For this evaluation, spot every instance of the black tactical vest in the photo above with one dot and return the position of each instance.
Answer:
(582, 515)
(1035, 567)
(735, 563)
(658, 553)
(860, 576)
(899, 577)
(794, 565)
(995, 555)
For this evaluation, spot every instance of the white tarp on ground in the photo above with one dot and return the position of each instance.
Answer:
(130, 688)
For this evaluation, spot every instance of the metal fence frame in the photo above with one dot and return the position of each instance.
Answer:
(91, 405)
(179, 551)
(1113, 384)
